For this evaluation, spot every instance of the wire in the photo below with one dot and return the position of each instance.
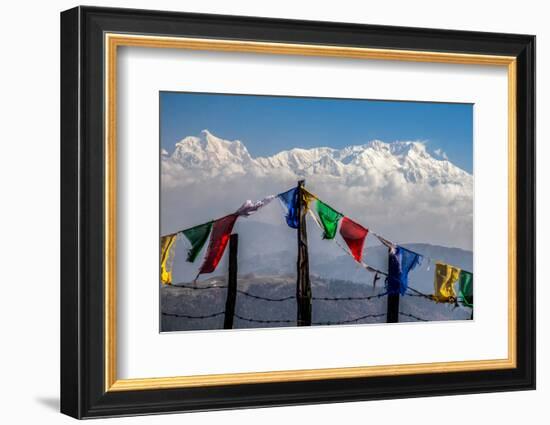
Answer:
(183, 285)
(258, 297)
(187, 316)
(248, 319)
(290, 297)
(325, 323)
(417, 293)
(349, 298)
(412, 316)
(343, 322)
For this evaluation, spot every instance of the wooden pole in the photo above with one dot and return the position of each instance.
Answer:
(393, 308)
(303, 284)
(231, 282)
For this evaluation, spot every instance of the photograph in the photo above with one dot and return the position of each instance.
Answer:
(281, 211)
(286, 210)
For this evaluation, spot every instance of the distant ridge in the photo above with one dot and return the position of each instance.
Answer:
(410, 160)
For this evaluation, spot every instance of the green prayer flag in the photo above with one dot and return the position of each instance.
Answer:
(466, 288)
(197, 236)
(329, 219)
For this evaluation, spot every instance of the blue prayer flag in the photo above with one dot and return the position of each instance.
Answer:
(289, 200)
(400, 262)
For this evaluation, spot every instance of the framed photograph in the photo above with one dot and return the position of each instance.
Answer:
(261, 212)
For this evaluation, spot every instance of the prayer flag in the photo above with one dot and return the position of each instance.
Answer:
(167, 249)
(289, 201)
(197, 236)
(221, 230)
(329, 219)
(308, 198)
(354, 234)
(466, 288)
(400, 262)
(249, 207)
(444, 282)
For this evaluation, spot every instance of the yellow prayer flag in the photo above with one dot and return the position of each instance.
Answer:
(444, 282)
(167, 249)
(308, 197)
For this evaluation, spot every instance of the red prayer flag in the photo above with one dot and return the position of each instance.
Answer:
(221, 230)
(354, 234)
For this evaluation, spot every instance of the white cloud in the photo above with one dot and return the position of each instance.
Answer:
(402, 211)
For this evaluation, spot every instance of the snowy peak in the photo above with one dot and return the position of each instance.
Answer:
(409, 161)
(216, 145)
(326, 165)
(397, 150)
(296, 159)
(208, 151)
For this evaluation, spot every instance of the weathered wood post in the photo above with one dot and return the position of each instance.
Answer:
(303, 284)
(231, 282)
(393, 308)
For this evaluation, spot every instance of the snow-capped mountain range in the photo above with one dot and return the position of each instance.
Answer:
(399, 189)
(210, 156)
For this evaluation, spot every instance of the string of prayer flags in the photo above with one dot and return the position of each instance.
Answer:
(221, 231)
(248, 207)
(197, 236)
(167, 249)
(354, 234)
(289, 201)
(329, 219)
(400, 262)
(466, 288)
(444, 282)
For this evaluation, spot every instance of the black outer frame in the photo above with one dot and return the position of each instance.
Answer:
(82, 207)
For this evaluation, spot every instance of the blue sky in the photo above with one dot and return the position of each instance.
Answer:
(270, 124)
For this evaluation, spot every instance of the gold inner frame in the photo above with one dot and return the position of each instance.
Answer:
(113, 41)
